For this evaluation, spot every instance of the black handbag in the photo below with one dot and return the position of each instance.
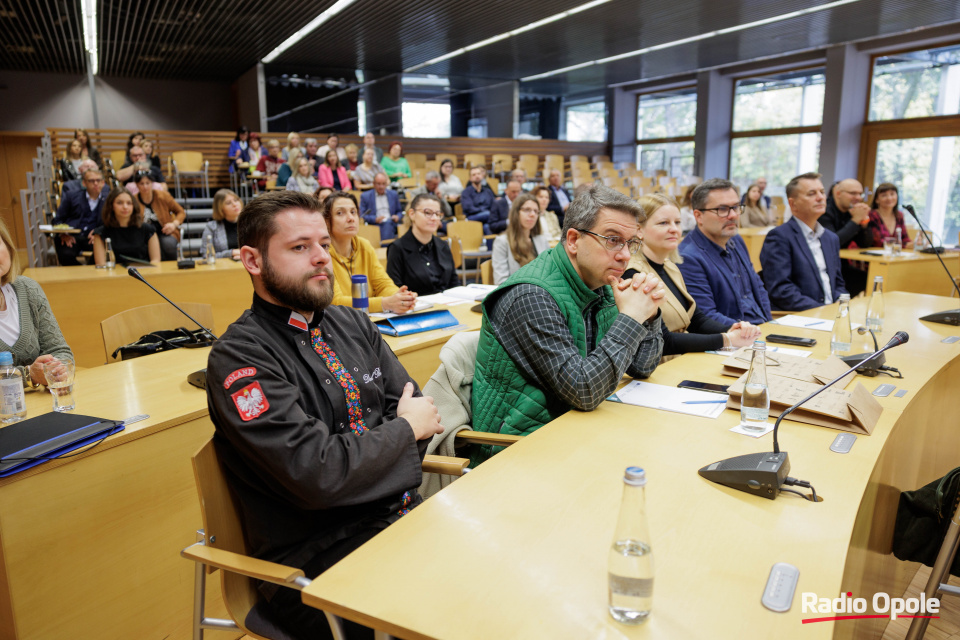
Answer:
(922, 520)
(164, 340)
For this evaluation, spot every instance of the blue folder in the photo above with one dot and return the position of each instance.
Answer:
(417, 323)
(49, 436)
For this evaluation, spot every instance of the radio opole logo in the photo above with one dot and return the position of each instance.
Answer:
(880, 606)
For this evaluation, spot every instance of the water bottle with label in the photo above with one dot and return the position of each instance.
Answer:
(111, 257)
(755, 401)
(840, 341)
(209, 251)
(875, 307)
(630, 569)
(13, 405)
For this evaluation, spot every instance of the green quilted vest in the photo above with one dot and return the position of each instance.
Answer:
(503, 400)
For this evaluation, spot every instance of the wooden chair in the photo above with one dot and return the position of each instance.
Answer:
(223, 547)
(117, 158)
(502, 163)
(408, 183)
(128, 326)
(554, 160)
(494, 185)
(486, 272)
(599, 159)
(191, 165)
(370, 233)
(609, 172)
(416, 160)
(600, 166)
(440, 157)
(471, 160)
(466, 243)
(529, 158)
(463, 174)
(431, 165)
(612, 182)
(579, 159)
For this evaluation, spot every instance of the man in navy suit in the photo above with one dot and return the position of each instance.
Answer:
(381, 206)
(81, 209)
(801, 258)
(716, 265)
(559, 198)
(500, 214)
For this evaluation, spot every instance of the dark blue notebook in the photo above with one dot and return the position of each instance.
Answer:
(28, 443)
(417, 323)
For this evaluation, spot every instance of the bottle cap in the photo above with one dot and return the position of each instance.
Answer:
(844, 297)
(6, 357)
(760, 345)
(635, 476)
(878, 279)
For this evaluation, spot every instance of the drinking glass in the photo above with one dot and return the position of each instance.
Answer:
(60, 375)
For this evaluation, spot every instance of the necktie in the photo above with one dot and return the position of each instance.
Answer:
(350, 389)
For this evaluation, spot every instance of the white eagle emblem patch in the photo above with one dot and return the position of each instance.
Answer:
(250, 401)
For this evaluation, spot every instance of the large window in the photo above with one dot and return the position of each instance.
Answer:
(666, 124)
(426, 120)
(586, 122)
(916, 84)
(776, 128)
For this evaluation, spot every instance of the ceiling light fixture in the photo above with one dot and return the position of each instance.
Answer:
(337, 7)
(89, 9)
(702, 36)
(508, 34)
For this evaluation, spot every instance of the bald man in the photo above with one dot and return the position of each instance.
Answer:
(847, 216)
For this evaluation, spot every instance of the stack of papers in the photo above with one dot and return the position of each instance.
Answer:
(460, 295)
(801, 322)
(658, 396)
(420, 306)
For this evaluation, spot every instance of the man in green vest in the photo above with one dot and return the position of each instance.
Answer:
(563, 329)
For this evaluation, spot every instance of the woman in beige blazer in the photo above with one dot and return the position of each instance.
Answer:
(685, 329)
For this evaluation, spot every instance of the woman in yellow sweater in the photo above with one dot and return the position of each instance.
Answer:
(353, 256)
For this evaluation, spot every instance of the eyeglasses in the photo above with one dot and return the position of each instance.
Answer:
(430, 213)
(615, 243)
(530, 210)
(723, 211)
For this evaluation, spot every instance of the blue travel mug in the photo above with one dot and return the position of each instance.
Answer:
(360, 300)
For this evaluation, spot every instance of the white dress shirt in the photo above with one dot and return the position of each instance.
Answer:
(812, 237)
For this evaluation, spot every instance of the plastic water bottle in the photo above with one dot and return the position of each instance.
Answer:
(13, 406)
(210, 252)
(111, 257)
(875, 306)
(755, 401)
(630, 577)
(840, 341)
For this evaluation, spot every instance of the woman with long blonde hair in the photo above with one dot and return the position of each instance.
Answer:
(523, 240)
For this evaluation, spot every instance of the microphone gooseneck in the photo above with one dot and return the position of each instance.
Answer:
(136, 274)
(953, 283)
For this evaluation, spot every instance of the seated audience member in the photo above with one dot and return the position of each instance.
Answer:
(560, 333)
(138, 162)
(501, 207)
(716, 265)
(520, 176)
(477, 198)
(431, 184)
(754, 211)
(450, 185)
(370, 142)
(293, 143)
(333, 174)
(77, 184)
(92, 153)
(523, 241)
(254, 152)
(133, 140)
(322, 193)
(81, 210)
(761, 183)
(302, 180)
(286, 170)
(223, 228)
(333, 144)
(381, 206)
(685, 327)
(238, 152)
(310, 152)
(353, 157)
(419, 259)
(162, 212)
(28, 329)
(364, 172)
(269, 165)
(688, 221)
(151, 155)
(393, 165)
(886, 217)
(131, 240)
(559, 197)
(323, 438)
(548, 219)
(354, 256)
(74, 155)
(800, 258)
(847, 216)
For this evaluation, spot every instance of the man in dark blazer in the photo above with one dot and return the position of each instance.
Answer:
(801, 258)
(381, 206)
(500, 213)
(559, 197)
(80, 209)
(716, 265)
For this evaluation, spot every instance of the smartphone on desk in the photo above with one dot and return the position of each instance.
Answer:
(703, 386)
(792, 340)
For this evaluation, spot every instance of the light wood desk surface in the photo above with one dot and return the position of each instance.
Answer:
(910, 271)
(526, 535)
(83, 296)
(89, 545)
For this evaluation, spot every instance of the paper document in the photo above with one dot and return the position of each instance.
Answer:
(658, 396)
(471, 292)
(420, 306)
(801, 322)
(439, 298)
(753, 434)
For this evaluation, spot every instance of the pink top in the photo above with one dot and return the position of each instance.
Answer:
(325, 177)
(878, 228)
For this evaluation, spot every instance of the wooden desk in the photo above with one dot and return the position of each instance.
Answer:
(89, 546)
(753, 237)
(83, 296)
(913, 272)
(526, 534)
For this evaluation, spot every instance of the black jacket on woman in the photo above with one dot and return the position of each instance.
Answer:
(425, 268)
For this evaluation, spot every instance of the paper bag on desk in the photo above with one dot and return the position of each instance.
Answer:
(856, 411)
(787, 366)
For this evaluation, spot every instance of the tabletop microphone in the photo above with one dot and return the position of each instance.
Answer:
(943, 317)
(764, 474)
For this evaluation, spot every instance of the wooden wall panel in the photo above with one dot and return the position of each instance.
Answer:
(17, 151)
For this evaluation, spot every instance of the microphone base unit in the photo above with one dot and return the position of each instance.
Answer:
(933, 250)
(870, 369)
(951, 318)
(198, 379)
(759, 474)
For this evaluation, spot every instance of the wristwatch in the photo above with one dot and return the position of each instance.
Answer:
(27, 378)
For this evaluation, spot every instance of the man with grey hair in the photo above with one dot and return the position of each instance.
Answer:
(77, 184)
(716, 265)
(500, 213)
(431, 185)
(310, 146)
(563, 329)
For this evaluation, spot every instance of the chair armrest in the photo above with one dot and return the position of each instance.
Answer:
(483, 437)
(244, 565)
(444, 465)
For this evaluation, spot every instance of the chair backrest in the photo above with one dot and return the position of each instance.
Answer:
(416, 160)
(598, 159)
(474, 160)
(221, 521)
(408, 183)
(431, 165)
(553, 160)
(579, 159)
(486, 272)
(118, 158)
(502, 162)
(370, 233)
(188, 161)
(463, 174)
(470, 233)
(529, 158)
(612, 181)
(494, 184)
(128, 326)
(609, 172)
(456, 248)
(440, 157)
